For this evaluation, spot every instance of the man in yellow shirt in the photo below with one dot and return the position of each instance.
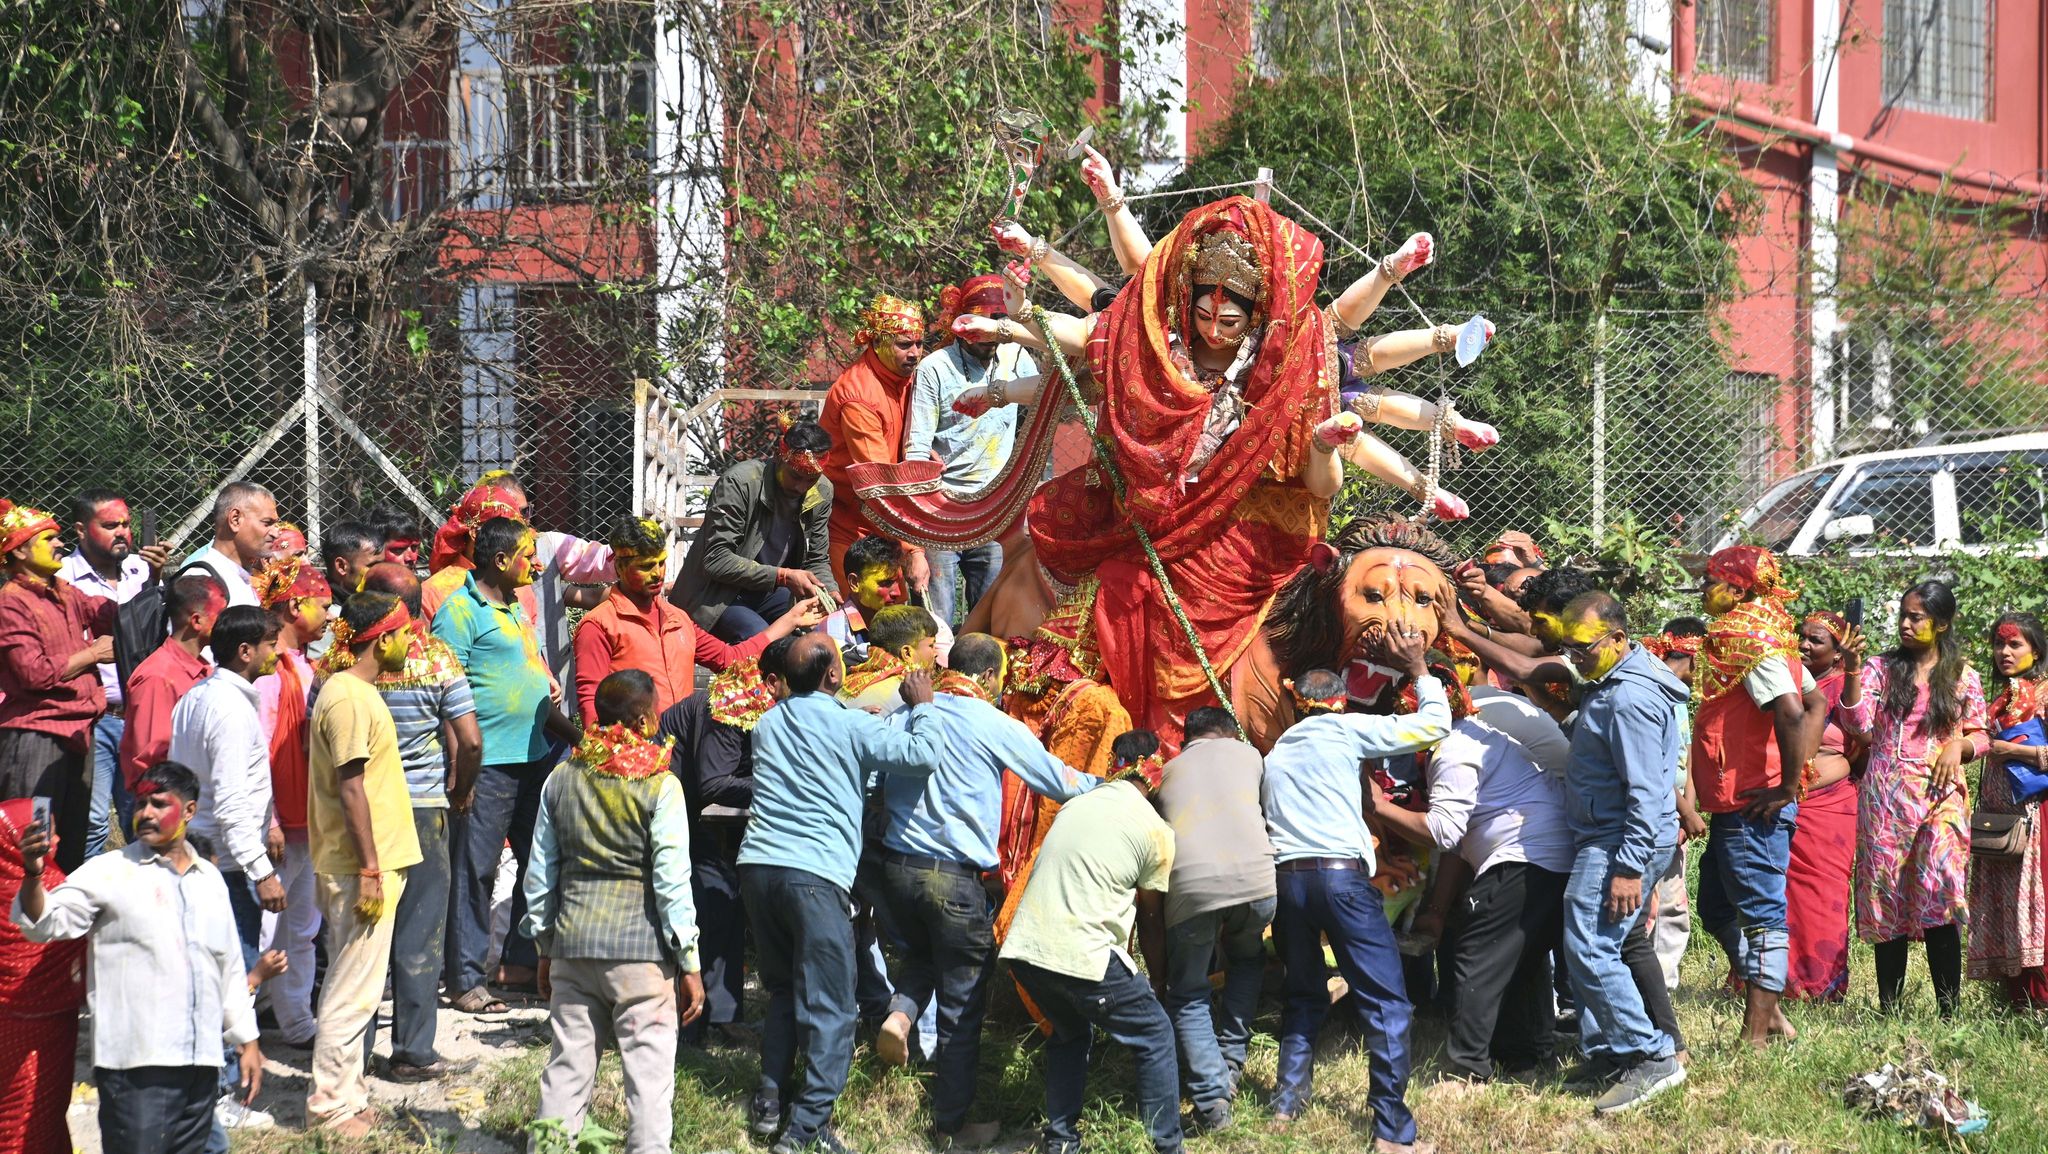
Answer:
(359, 821)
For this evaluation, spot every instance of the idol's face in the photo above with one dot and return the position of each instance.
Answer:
(1220, 322)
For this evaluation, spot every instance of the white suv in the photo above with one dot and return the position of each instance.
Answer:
(1924, 501)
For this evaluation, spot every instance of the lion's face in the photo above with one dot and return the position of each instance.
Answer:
(1385, 589)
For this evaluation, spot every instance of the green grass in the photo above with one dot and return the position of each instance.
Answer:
(1780, 1101)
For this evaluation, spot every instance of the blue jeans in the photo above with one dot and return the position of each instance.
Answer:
(749, 615)
(1213, 1034)
(949, 949)
(506, 806)
(1742, 893)
(109, 798)
(803, 933)
(1122, 1006)
(1344, 906)
(1612, 1019)
(721, 932)
(977, 567)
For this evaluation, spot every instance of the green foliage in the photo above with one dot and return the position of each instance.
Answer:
(549, 1137)
(870, 165)
(1528, 163)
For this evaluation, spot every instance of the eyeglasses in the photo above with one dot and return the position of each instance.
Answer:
(1583, 649)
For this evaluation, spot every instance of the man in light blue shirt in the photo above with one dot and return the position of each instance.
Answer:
(1315, 804)
(940, 837)
(812, 756)
(974, 449)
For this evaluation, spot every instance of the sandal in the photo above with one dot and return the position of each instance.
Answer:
(479, 1001)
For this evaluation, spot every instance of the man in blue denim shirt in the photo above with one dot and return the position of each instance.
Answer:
(940, 838)
(1620, 801)
(812, 759)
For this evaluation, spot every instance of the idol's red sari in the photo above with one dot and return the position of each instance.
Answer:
(1228, 538)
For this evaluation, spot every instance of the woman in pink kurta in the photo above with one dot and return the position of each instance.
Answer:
(2009, 899)
(1921, 709)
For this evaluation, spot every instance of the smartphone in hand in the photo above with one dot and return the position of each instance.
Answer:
(40, 808)
(1853, 613)
(145, 528)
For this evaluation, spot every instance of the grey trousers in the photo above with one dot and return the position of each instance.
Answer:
(634, 1005)
(1673, 927)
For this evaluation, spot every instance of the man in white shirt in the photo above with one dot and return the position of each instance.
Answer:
(106, 563)
(244, 533)
(168, 984)
(1496, 799)
(217, 733)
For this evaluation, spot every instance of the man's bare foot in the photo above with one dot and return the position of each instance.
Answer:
(1782, 1029)
(1382, 1146)
(515, 978)
(892, 1041)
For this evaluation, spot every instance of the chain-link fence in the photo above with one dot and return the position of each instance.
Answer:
(1646, 423)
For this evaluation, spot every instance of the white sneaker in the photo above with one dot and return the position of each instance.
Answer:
(232, 1115)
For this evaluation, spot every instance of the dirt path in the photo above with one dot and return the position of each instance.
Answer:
(450, 1107)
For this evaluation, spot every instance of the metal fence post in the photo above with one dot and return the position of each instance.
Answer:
(310, 399)
(1600, 427)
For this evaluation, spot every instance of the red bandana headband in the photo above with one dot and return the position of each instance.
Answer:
(347, 638)
(981, 295)
(288, 578)
(19, 525)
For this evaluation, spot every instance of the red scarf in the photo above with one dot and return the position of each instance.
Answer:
(288, 769)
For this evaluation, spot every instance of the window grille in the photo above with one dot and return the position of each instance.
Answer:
(1735, 38)
(1937, 56)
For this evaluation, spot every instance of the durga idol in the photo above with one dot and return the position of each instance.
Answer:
(1218, 403)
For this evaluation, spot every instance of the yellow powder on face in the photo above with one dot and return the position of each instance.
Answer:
(1549, 629)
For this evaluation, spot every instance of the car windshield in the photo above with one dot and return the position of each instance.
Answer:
(1784, 510)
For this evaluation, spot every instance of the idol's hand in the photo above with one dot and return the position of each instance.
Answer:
(1100, 178)
(1011, 237)
(978, 329)
(1016, 282)
(1340, 430)
(1477, 435)
(1450, 506)
(1418, 253)
(973, 402)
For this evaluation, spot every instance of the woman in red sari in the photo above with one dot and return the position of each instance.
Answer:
(41, 988)
(1824, 845)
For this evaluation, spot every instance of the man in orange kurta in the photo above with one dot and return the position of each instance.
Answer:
(864, 412)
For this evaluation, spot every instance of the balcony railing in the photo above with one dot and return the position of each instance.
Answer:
(416, 175)
(577, 127)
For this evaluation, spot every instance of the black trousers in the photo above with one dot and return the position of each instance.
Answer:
(1513, 918)
(157, 1109)
(721, 933)
(35, 764)
(1639, 954)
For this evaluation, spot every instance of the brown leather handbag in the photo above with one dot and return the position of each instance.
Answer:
(2000, 836)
